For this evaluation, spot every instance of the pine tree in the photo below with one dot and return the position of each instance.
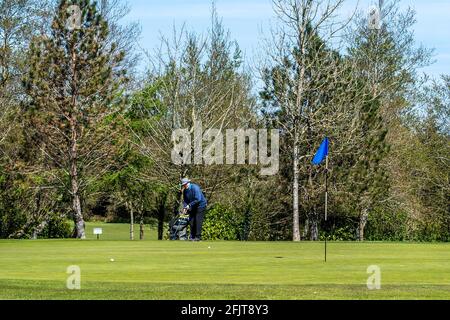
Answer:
(74, 85)
(387, 60)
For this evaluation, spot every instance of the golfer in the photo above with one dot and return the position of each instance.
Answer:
(195, 203)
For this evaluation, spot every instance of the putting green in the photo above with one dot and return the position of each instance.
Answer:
(222, 270)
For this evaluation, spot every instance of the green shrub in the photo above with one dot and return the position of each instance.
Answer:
(221, 223)
(57, 227)
(386, 226)
(11, 220)
(427, 231)
(345, 233)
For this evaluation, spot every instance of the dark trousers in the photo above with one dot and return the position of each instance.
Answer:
(196, 222)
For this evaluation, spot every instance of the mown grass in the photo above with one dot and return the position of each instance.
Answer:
(220, 270)
(120, 231)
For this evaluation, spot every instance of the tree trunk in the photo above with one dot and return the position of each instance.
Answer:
(141, 227)
(160, 228)
(362, 224)
(247, 224)
(38, 230)
(313, 228)
(78, 218)
(161, 215)
(296, 216)
(76, 203)
(297, 114)
(305, 229)
(131, 223)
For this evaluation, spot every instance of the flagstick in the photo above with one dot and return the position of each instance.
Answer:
(326, 189)
(326, 205)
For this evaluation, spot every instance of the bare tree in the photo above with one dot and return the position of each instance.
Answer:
(194, 81)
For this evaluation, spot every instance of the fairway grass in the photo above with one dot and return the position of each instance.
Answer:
(222, 270)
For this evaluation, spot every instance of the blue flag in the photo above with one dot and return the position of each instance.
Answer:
(321, 153)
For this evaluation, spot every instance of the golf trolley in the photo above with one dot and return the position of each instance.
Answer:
(178, 227)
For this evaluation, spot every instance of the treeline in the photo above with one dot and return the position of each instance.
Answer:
(83, 137)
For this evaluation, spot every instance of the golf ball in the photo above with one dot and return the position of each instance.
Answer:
(112, 260)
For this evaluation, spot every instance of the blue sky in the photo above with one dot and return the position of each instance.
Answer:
(246, 18)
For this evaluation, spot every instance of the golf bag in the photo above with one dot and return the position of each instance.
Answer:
(178, 227)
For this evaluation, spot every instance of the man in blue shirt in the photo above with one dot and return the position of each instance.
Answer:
(195, 203)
